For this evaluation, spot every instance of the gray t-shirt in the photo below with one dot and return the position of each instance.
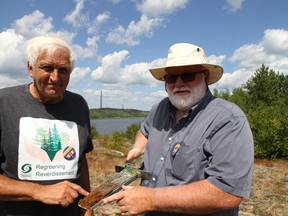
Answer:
(42, 143)
(213, 141)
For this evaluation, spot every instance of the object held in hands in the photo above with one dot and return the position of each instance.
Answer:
(124, 176)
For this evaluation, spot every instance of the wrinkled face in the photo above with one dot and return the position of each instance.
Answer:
(186, 86)
(51, 75)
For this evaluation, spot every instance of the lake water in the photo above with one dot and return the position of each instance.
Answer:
(109, 125)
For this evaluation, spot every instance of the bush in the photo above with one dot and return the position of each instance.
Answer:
(269, 128)
(94, 133)
(264, 99)
(117, 140)
(131, 132)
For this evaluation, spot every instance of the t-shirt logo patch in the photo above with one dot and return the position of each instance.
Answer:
(69, 153)
(48, 149)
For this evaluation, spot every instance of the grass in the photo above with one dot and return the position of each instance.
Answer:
(269, 195)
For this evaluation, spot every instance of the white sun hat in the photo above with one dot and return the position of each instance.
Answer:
(185, 54)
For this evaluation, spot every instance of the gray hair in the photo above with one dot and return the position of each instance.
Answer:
(37, 45)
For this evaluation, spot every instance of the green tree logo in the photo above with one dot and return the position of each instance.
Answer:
(49, 141)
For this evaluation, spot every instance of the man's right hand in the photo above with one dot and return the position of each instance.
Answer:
(63, 193)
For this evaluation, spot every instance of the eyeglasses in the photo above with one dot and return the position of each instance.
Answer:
(186, 77)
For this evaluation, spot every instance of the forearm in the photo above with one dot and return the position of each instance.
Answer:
(63, 193)
(13, 190)
(139, 146)
(140, 142)
(196, 198)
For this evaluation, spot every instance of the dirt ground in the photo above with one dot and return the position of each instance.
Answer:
(269, 195)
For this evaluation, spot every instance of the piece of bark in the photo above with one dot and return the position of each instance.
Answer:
(96, 195)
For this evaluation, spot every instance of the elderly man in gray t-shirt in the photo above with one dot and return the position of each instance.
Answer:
(198, 148)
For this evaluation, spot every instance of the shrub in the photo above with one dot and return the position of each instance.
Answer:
(94, 133)
(131, 132)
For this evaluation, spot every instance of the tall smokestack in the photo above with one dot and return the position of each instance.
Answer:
(101, 99)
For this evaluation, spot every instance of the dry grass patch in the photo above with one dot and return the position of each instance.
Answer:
(269, 195)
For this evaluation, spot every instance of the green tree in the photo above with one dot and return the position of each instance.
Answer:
(241, 98)
(267, 87)
(267, 96)
(264, 99)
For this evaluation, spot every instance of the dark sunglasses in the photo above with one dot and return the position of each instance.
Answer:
(186, 77)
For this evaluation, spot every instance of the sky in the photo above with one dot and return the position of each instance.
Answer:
(117, 41)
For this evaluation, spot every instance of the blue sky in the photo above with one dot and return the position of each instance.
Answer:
(117, 41)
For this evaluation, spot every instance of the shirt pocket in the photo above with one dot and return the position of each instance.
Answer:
(187, 163)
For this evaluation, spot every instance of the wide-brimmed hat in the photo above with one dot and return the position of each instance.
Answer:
(185, 54)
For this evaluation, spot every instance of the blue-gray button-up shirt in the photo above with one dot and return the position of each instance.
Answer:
(213, 141)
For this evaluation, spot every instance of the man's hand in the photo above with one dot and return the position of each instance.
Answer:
(133, 154)
(132, 201)
(63, 193)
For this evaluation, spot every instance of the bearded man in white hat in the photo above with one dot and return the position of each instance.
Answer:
(198, 148)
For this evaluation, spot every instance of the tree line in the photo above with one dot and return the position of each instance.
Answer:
(264, 99)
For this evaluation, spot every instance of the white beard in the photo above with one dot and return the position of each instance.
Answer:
(183, 103)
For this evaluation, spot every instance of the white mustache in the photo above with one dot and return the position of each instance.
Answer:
(176, 89)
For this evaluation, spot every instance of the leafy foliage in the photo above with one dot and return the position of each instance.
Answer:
(94, 133)
(117, 140)
(264, 99)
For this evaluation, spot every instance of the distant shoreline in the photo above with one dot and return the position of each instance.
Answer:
(101, 113)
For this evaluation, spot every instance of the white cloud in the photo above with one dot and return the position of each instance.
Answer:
(135, 30)
(250, 56)
(213, 59)
(275, 41)
(233, 5)
(271, 51)
(235, 79)
(76, 18)
(138, 73)
(159, 8)
(158, 94)
(6, 81)
(94, 27)
(33, 24)
(12, 56)
(83, 52)
(90, 51)
(12, 53)
(160, 62)
(78, 74)
(109, 71)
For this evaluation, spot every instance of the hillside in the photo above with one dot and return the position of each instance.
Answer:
(116, 113)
